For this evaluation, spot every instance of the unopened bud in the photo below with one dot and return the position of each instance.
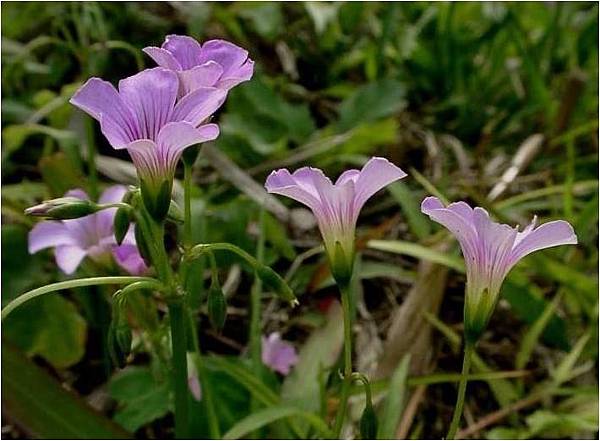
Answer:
(368, 422)
(142, 245)
(63, 208)
(121, 223)
(274, 281)
(217, 307)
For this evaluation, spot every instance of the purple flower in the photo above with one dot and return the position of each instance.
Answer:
(278, 354)
(216, 63)
(145, 117)
(336, 206)
(490, 251)
(90, 236)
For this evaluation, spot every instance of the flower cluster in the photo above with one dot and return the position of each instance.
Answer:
(158, 113)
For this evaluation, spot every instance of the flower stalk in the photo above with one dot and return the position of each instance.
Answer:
(462, 389)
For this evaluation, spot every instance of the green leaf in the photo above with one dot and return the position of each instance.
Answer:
(372, 102)
(271, 414)
(36, 402)
(418, 251)
(50, 327)
(142, 397)
(531, 337)
(20, 270)
(418, 223)
(394, 401)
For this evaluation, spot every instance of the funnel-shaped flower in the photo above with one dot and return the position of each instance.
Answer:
(216, 63)
(490, 251)
(145, 117)
(90, 236)
(278, 354)
(336, 206)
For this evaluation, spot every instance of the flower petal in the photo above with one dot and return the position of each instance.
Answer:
(101, 101)
(186, 50)
(113, 194)
(198, 105)
(237, 67)
(77, 193)
(548, 235)
(162, 57)
(375, 175)
(205, 75)
(463, 230)
(128, 257)
(151, 96)
(68, 257)
(48, 234)
(284, 183)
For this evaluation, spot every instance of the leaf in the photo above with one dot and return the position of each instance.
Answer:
(528, 304)
(276, 235)
(531, 337)
(372, 102)
(418, 251)
(394, 401)
(563, 371)
(50, 327)
(321, 351)
(321, 13)
(418, 223)
(142, 397)
(14, 136)
(271, 414)
(266, 18)
(60, 174)
(36, 402)
(20, 270)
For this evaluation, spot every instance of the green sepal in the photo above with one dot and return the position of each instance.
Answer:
(175, 214)
(121, 223)
(368, 422)
(217, 307)
(142, 245)
(274, 281)
(341, 265)
(157, 202)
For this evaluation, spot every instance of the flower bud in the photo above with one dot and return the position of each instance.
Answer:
(368, 422)
(121, 223)
(217, 307)
(142, 245)
(157, 199)
(274, 281)
(63, 208)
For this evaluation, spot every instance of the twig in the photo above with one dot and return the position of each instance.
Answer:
(409, 413)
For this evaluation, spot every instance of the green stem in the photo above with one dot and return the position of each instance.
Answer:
(180, 383)
(187, 205)
(462, 389)
(89, 281)
(339, 420)
(255, 297)
(213, 421)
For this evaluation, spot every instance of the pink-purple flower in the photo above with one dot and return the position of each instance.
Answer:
(216, 63)
(89, 236)
(278, 354)
(146, 117)
(490, 251)
(336, 206)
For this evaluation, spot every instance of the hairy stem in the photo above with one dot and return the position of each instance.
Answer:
(462, 389)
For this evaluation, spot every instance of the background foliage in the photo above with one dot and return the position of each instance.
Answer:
(453, 93)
